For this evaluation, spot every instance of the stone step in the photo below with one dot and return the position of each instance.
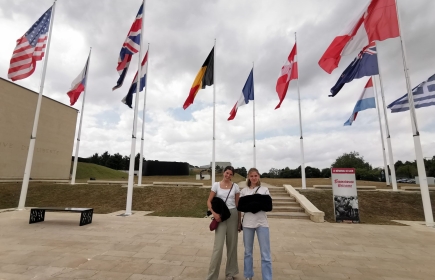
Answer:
(283, 198)
(288, 215)
(287, 209)
(284, 203)
(279, 192)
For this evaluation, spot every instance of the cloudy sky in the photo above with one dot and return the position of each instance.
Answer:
(181, 34)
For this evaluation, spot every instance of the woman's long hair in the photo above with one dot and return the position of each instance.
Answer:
(249, 172)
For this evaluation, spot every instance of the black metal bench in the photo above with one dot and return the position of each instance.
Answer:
(38, 214)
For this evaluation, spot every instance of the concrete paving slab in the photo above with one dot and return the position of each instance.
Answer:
(146, 247)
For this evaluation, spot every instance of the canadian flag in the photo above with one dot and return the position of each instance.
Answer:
(288, 72)
(377, 21)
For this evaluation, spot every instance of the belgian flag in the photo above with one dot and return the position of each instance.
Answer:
(203, 78)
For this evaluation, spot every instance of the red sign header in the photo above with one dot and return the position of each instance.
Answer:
(343, 170)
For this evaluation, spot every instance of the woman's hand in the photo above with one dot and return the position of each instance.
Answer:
(240, 227)
(217, 217)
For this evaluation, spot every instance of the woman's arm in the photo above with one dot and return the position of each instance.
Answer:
(239, 214)
(216, 216)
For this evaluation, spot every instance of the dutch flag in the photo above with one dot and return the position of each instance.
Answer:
(366, 101)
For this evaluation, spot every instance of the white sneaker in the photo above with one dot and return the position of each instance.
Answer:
(229, 278)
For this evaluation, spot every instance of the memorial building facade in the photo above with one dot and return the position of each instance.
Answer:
(54, 138)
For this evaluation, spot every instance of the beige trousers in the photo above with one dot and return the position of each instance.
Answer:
(226, 230)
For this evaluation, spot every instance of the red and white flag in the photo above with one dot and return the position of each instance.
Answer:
(78, 85)
(288, 72)
(376, 22)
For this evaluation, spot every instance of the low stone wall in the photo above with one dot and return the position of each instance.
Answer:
(35, 181)
(329, 187)
(178, 184)
(316, 215)
(103, 182)
(414, 188)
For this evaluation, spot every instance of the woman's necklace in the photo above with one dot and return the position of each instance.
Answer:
(226, 186)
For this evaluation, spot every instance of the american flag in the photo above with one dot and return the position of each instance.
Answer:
(424, 96)
(30, 48)
(130, 47)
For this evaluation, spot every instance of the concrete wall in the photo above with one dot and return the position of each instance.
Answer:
(54, 138)
(430, 180)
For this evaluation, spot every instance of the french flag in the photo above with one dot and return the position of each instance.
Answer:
(129, 48)
(377, 21)
(78, 85)
(128, 99)
(247, 94)
(366, 101)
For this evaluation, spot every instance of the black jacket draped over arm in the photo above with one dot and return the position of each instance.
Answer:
(220, 207)
(255, 203)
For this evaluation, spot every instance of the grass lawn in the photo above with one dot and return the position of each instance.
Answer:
(165, 201)
(88, 170)
(325, 181)
(376, 207)
(189, 178)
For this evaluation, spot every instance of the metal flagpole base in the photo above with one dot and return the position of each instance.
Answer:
(125, 214)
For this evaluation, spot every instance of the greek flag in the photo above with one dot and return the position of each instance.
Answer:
(424, 96)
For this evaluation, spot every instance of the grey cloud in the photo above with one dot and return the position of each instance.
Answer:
(181, 34)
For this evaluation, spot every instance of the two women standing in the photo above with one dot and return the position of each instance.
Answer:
(253, 222)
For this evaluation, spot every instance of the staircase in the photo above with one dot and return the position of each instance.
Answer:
(284, 206)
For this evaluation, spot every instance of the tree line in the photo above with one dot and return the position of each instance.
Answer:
(364, 170)
(115, 161)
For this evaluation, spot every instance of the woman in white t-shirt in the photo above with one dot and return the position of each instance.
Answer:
(256, 223)
(229, 191)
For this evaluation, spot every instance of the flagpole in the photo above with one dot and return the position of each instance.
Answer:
(133, 136)
(424, 188)
(139, 176)
(213, 163)
(73, 178)
(304, 184)
(387, 179)
(28, 168)
(387, 129)
(253, 116)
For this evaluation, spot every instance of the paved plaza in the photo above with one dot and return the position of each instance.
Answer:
(145, 247)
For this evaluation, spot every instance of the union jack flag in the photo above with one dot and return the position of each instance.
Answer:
(364, 65)
(129, 48)
(30, 48)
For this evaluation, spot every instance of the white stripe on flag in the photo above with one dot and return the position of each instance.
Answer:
(424, 96)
